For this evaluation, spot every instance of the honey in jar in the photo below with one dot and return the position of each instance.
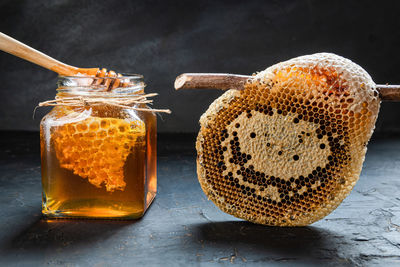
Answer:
(98, 155)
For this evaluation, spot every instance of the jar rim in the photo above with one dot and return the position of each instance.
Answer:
(124, 76)
(85, 84)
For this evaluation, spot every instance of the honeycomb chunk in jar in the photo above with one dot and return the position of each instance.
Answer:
(97, 166)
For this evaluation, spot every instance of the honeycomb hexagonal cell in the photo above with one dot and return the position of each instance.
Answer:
(288, 148)
(97, 148)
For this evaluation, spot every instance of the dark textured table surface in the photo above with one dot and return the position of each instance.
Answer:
(183, 228)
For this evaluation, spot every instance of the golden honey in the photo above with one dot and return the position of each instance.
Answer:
(287, 149)
(98, 161)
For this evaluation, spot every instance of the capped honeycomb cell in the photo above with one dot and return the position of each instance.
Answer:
(97, 148)
(288, 148)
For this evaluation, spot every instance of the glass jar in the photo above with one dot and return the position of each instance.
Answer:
(98, 157)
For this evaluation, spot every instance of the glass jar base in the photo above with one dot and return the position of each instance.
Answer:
(93, 209)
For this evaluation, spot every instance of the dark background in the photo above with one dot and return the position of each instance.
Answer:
(161, 39)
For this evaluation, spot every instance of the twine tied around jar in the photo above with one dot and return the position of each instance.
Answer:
(104, 98)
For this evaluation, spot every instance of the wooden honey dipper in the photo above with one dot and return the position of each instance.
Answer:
(16, 48)
(288, 145)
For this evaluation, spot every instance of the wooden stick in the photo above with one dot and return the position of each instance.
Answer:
(233, 81)
(389, 92)
(210, 81)
(16, 48)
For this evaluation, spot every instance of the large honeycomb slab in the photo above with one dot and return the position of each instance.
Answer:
(288, 148)
(97, 148)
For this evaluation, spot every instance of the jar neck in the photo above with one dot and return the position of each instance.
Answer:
(87, 86)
